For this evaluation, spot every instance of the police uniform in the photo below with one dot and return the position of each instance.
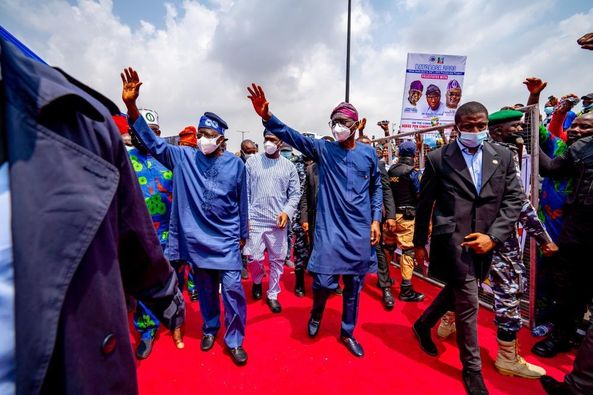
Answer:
(508, 274)
(301, 248)
(404, 181)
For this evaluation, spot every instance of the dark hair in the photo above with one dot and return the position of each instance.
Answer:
(363, 137)
(470, 108)
(245, 143)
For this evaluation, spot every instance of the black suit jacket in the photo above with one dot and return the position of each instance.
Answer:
(448, 193)
(308, 204)
(81, 233)
(388, 202)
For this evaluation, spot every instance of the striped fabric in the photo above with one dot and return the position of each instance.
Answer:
(272, 187)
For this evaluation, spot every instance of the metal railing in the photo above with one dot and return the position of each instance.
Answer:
(530, 170)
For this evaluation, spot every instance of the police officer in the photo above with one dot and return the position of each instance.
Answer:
(404, 181)
(300, 247)
(508, 272)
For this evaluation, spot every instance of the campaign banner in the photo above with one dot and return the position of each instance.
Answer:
(432, 91)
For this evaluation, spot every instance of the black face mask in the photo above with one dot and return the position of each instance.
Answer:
(514, 138)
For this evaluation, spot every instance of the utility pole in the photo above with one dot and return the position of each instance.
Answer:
(242, 134)
(348, 54)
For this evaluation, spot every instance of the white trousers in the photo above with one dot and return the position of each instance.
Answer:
(275, 240)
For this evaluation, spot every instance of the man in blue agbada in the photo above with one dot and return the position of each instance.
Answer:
(208, 217)
(348, 210)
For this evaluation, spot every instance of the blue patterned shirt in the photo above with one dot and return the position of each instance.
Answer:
(156, 182)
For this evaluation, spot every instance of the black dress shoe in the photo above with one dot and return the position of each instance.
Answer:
(144, 348)
(207, 342)
(408, 294)
(388, 300)
(474, 383)
(238, 355)
(274, 305)
(256, 291)
(299, 287)
(553, 386)
(550, 346)
(313, 326)
(424, 338)
(353, 346)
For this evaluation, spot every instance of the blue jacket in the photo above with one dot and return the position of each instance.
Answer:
(81, 234)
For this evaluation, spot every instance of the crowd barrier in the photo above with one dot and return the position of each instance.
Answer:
(443, 134)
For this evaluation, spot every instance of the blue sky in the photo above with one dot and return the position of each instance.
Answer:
(196, 56)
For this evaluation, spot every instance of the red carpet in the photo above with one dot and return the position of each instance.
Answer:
(283, 360)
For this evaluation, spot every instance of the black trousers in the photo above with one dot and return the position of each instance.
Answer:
(383, 278)
(462, 298)
(573, 271)
(580, 379)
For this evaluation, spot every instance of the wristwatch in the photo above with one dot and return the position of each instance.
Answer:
(494, 239)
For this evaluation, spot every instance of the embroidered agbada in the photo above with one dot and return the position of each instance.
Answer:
(349, 199)
(209, 210)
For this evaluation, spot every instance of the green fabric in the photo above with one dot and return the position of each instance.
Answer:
(504, 116)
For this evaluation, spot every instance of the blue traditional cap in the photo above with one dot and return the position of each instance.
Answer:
(268, 133)
(407, 148)
(212, 121)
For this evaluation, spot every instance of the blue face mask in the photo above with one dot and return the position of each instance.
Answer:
(473, 140)
(286, 154)
(548, 110)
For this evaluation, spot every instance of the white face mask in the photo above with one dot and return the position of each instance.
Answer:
(247, 156)
(270, 148)
(341, 132)
(208, 146)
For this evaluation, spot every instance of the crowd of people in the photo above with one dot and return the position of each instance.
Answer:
(137, 225)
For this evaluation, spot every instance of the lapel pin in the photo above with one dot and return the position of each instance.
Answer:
(494, 161)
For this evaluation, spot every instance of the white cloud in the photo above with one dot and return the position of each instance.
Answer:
(205, 54)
